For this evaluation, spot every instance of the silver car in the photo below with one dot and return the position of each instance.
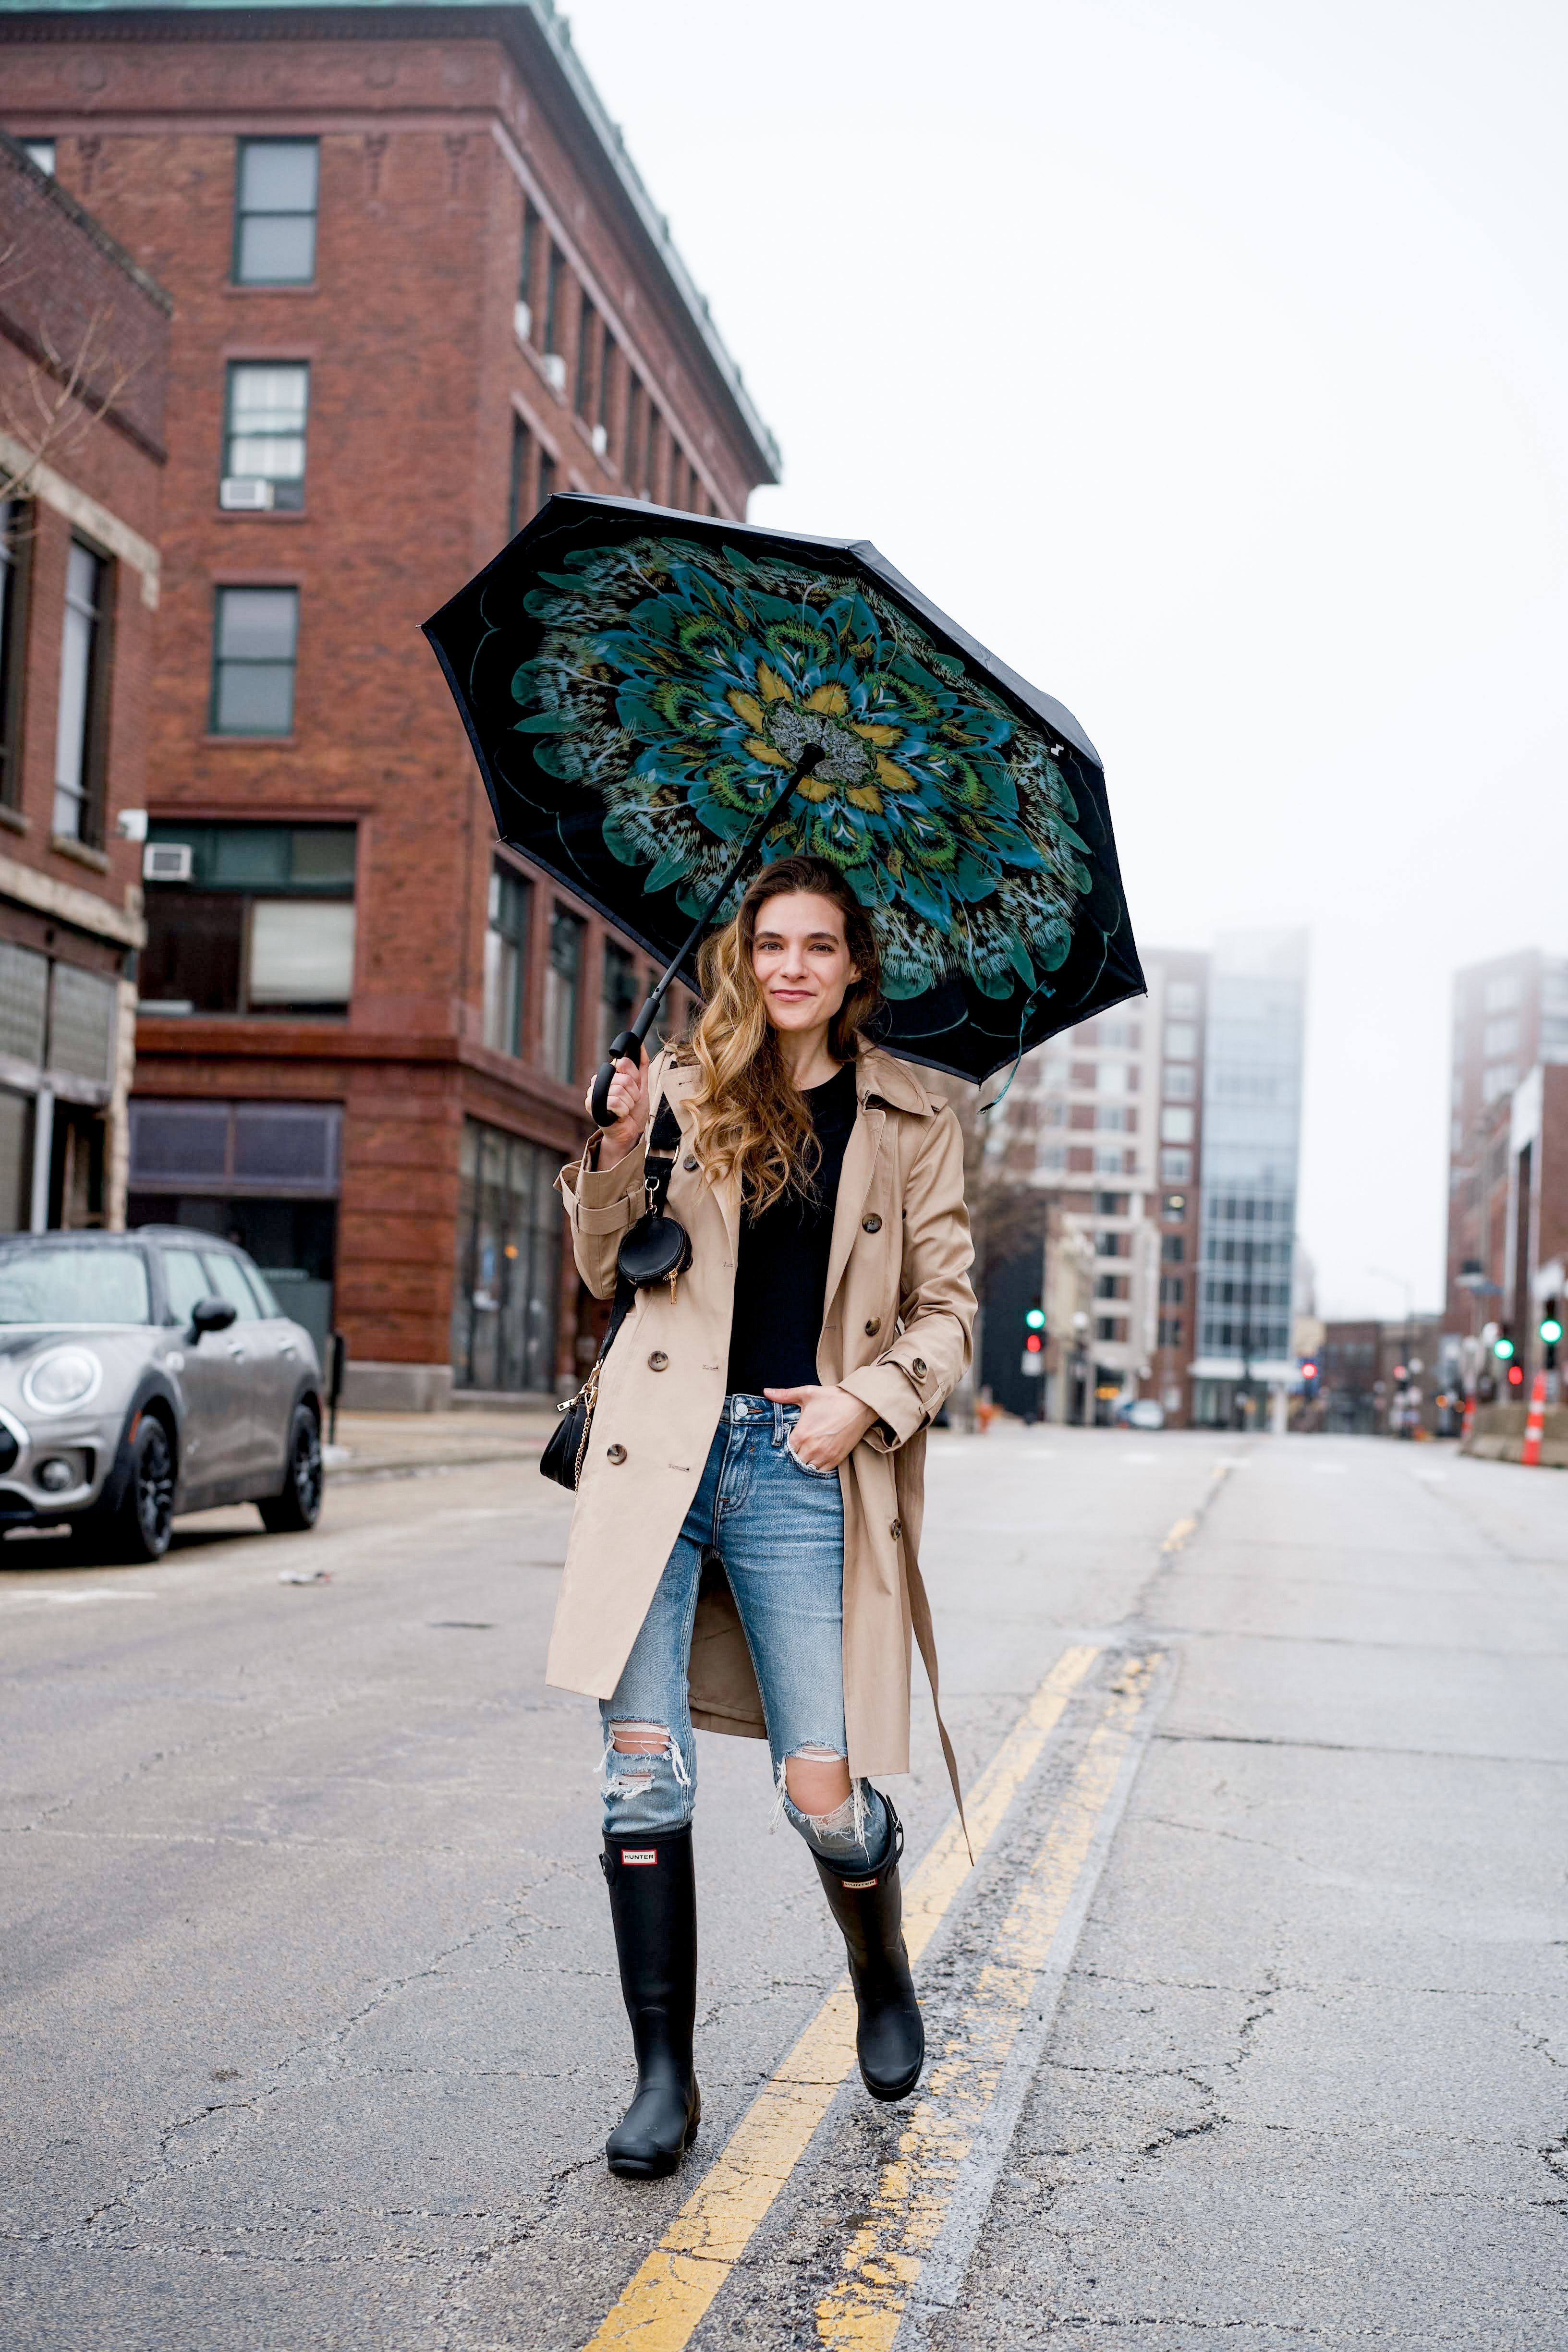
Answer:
(146, 1374)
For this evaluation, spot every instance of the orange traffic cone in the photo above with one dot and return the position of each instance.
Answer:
(1535, 1423)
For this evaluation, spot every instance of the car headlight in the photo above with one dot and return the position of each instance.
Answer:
(64, 1378)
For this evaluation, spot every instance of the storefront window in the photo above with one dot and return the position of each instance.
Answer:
(508, 1276)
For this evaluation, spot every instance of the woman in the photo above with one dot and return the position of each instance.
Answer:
(743, 1554)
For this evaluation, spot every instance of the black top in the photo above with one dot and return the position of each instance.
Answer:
(780, 1274)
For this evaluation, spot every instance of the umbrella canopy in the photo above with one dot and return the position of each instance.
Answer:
(647, 692)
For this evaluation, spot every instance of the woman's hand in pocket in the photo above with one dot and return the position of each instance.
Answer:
(832, 1423)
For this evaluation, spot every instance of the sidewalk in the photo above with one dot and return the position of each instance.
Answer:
(389, 1444)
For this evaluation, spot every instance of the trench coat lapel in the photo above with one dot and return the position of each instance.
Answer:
(727, 1195)
(854, 1184)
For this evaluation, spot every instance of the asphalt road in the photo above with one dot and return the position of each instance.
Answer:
(1249, 2025)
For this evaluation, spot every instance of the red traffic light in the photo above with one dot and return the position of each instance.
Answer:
(1309, 1371)
(1033, 1344)
(1516, 1376)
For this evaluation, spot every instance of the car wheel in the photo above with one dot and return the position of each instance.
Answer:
(140, 1527)
(299, 1506)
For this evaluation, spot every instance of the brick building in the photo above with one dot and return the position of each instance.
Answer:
(1508, 1017)
(83, 370)
(418, 286)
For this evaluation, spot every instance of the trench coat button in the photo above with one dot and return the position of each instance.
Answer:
(873, 1327)
(897, 1530)
(918, 1367)
(689, 1163)
(615, 1453)
(871, 1224)
(657, 1361)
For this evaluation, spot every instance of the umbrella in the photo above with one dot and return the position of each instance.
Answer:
(656, 700)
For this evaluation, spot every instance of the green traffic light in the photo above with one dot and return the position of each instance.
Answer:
(1036, 1319)
(1502, 1348)
(1552, 1331)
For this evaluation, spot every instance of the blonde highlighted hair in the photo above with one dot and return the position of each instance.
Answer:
(751, 1117)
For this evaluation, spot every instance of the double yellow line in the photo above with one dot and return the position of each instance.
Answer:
(663, 2304)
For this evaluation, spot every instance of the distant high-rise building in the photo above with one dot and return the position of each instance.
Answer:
(1106, 1119)
(1251, 1129)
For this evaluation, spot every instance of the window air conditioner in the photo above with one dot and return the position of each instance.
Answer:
(166, 861)
(554, 367)
(601, 440)
(248, 493)
(523, 323)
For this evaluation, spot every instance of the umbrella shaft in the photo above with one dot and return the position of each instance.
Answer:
(628, 1044)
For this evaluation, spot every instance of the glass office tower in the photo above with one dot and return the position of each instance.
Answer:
(1252, 1122)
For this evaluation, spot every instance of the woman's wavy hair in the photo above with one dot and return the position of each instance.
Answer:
(751, 1117)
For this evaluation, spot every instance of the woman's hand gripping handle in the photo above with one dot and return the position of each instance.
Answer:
(625, 1100)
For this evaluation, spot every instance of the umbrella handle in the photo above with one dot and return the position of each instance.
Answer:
(625, 1048)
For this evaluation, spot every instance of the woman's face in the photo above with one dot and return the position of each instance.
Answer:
(802, 966)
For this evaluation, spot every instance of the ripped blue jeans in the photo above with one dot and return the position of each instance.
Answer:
(779, 1529)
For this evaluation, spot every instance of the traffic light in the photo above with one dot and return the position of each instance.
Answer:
(1309, 1376)
(1034, 1335)
(1551, 1332)
(1502, 1347)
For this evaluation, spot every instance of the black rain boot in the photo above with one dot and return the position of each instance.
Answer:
(653, 1902)
(889, 2040)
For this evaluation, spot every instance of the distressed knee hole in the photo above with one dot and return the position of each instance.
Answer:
(817, 1781)
(639, 1739)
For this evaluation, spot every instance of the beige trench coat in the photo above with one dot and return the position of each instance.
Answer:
(895, 1333)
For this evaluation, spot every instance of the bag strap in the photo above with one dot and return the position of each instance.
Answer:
(663, 1143)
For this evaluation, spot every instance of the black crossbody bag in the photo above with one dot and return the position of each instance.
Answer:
(656, 1249)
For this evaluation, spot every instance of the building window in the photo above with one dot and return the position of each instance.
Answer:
(1502, 992)
(1181, 1000)
(1114, 1078)
(1181, 1041)
(506, 959)
(78, 726)
(1499, 1037)
(275, 212)
(554, 269)
(254, 644)
(1174, 1204)
(1178, 1082)
(12, 631)
(508, 1286)
(264, 431)
(561, 974)
(1174, 1248)
(1170, 1331)
(1111, 1117)
(1172, 1289)
(1108, 1163)
(524, 320)
(264, 923)
(1124, 1033)
(519, 504)
(41, 153)
(1500, 1079)
(645, 464)
(1175, 1167)
(606, 370)
(1107, 1327)
(1175, 1126)
(546, 479)
(633, 430)
(619, 997)
(588, 358)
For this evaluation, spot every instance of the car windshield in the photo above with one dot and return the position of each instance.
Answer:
(74, 1285)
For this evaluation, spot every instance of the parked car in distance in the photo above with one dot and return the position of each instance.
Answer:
(1140, 1412)
(144, 1374)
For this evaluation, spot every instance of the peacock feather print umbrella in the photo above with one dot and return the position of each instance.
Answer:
(656, 699)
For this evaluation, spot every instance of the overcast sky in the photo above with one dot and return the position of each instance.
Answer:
(1207, 359)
